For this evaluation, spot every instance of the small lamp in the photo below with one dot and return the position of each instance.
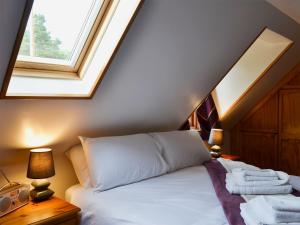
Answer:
(40, 167)
(216, 140)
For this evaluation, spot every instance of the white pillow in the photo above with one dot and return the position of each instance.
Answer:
(121, 160)
(77, 158)
(182, 148)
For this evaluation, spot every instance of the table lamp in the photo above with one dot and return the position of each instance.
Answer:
(216, 140)
(40, 167)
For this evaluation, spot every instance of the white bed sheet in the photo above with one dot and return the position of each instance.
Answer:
(184, 197)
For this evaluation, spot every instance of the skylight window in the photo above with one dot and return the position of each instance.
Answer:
(67, 47)
(56, 36)
(255, 62)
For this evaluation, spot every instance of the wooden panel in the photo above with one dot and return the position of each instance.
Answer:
(289, 156)
(295, 81)
(263, 119)
(290, 114)
(259, 149)
(235, 140)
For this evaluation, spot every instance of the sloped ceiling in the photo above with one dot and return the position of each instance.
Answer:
(173, 55)
(289, 7)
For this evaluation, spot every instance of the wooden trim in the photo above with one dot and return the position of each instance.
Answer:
(43, 66)
(278, 143)
(289, 91)
(272, 131)
(236, 61)
(291, 87)
(279, 146)
(101, 76)
(45, 74)
(258, 133)
(288, 136)
(15, 51)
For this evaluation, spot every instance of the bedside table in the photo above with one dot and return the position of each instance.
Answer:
(54, 211)
(231, 157)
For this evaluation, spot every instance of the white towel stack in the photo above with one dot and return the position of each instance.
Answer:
(295, 182)
(271, 210)
(257, 182)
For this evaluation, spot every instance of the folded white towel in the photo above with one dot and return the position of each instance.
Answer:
(295, 182)
(258, 190)
(283, 203)
(250, 216)
(230, 165)
(242, 178)
(234, 188)
(260, 172)
(266, 213)
(259, 178)
(239, 179)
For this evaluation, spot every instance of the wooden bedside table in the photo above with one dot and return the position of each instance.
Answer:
(54, 211)
(231, 157)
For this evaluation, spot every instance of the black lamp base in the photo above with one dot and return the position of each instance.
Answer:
(41, 192)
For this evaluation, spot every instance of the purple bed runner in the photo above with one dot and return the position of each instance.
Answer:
(230, 203)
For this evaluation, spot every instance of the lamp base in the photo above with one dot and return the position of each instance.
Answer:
(215, 151)
(41, 192)
(215, 154)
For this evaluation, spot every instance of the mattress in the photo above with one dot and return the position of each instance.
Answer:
(184, 197)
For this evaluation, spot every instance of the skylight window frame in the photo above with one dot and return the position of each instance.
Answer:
(59, 70)
(86, 59)
(82, 40)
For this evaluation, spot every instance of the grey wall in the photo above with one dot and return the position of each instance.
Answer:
(289, 7)
(173, 55)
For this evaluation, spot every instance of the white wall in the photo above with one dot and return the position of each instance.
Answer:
(173, 55)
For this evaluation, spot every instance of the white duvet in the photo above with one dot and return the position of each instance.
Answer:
(184, 197)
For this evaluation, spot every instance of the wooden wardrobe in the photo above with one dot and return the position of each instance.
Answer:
(269, 135)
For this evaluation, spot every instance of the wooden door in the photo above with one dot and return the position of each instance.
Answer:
(289, 156)
(259, 149)
(259, 135)
(289, 129)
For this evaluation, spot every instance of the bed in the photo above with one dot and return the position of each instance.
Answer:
(144, 179)
(183, 197)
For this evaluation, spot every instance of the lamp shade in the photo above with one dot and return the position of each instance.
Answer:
(41, 164)
(216, 137)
